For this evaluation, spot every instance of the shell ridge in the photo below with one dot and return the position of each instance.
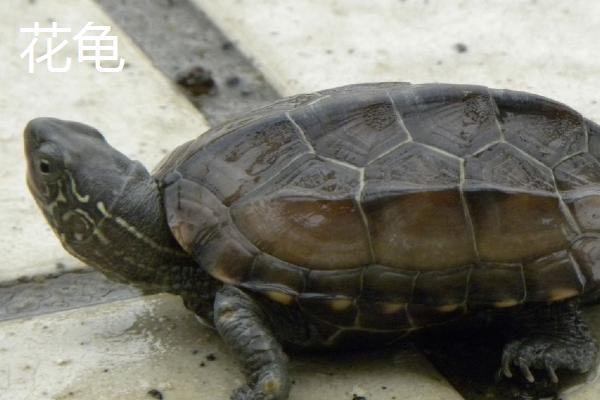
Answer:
(496, 113)
(563, 205)
(466, 211)
(399, 118)
(524, 282)
(578, 272)
(363, 214)
(300, 132)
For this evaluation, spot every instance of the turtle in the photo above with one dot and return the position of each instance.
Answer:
(350, 217)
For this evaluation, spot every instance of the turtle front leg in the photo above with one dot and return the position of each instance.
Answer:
(550, 338)
(245, 328)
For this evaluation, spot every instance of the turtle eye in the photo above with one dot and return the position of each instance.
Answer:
(45, 167)
(49, 161)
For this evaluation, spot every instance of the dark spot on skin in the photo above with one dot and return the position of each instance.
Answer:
(227, 46)
(202, 364)
(211, 357)
(357, 397)
(195, 352)
(233, 81)
(383, 387)
(105, 370)
(197, 80)
(461, 47)
(156, 394)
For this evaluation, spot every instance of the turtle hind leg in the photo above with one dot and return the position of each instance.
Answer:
(245, 328)
(549, 338)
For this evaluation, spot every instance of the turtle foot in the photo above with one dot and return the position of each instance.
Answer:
(246, 393)
(257, 393)
(546, 355)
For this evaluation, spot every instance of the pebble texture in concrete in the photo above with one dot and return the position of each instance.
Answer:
(138, 110)
(525, 45)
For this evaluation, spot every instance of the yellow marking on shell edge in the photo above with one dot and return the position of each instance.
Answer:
(561, 294)
(280, 297)
(340, 304)
(506, 303)
(448, 308)
(391, 308)
(217, 274)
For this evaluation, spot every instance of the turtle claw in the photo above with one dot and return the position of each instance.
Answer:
(552, 374)
(526, 372)
(546, 355)
(505, 370)
(506, 362)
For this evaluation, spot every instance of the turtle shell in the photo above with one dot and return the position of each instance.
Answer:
(392, 206)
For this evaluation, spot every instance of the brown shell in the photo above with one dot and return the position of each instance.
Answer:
(393, 206)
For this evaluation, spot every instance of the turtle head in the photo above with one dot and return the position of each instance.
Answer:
(103, 206)
(72, 169)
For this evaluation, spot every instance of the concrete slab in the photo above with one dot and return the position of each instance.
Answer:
(312, 44)
(128, 349)
(138, 109)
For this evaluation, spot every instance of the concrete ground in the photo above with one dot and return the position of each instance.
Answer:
(64, 339)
